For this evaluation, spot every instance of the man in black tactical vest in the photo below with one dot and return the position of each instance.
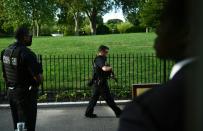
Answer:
(23, 75)
(101, 72)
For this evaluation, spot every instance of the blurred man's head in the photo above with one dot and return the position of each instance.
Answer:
(103, 50)
(173, 33)
(23, 36)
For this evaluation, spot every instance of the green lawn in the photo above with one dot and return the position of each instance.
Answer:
(132, 57)
(120, 43)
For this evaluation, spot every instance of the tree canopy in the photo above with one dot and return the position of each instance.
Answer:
(94, 8)
(29, 12)
(145, 13)
(73, 14)
(150, 13)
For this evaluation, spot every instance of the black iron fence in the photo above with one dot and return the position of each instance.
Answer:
(66, 76)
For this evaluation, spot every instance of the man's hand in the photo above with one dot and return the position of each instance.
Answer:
(106, 68)
(39, 79)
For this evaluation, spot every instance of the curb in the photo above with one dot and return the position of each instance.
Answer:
(68, 104)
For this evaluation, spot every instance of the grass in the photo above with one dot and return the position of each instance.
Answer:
(119, 43)
(73, 74)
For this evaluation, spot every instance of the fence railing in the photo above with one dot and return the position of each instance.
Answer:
(66, 76)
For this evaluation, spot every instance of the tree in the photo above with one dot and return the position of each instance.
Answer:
(123, 27)
(29, 12)
(66, 21)
(112, 24)
(131, 10)
(42, 11)
(143, 12)
(94, 8)
(1, 15)
(114, 21)
(128, 6)
(150, 13)
(133, 17)
(103, 29)
(73, 7)
(15, 14)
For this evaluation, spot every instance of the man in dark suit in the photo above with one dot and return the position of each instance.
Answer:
(163, 108)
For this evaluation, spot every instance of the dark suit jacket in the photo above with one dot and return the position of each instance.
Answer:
(161, 108)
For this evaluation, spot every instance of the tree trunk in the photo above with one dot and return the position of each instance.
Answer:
(76, 18)
(40, 29)
(93, 21)
(37, 28)
(33, 28)
(92, 15)
(93, 24)
(147, 29)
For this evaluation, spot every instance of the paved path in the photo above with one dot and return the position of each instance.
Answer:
(66, 119)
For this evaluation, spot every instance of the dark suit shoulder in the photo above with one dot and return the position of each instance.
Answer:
(134, 118)
(162, 107)
(171, 92)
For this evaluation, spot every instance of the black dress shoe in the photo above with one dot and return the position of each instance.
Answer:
(91, 115)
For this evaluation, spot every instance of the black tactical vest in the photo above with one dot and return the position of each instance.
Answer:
(11, 64)
(98, 72)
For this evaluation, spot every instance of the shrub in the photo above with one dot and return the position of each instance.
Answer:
(69, 30)
(114, 21)
(103, 29)
(61, 96)
(135, 29)
(65, 96)
(87, 29)
(46, 30)
(113, 28)
(123, 94)
(43, 98)
(122, 28)
(6, 33)
(72, 96)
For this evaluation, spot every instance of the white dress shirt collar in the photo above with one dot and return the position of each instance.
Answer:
(178, 66)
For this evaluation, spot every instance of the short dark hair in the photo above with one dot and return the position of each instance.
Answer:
(103, 47)
(21, 32)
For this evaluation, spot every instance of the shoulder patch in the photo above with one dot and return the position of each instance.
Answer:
(12, 61)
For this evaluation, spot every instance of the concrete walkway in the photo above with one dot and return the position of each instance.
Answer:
(66, 119)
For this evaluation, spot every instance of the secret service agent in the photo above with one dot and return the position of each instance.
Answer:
(101, 72)
(23, 75)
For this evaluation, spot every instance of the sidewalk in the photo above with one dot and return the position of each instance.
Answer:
(66, 119)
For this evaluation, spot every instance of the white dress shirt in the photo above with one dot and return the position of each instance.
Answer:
(178, 66)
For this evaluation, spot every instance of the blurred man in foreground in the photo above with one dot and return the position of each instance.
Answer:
(163, 108)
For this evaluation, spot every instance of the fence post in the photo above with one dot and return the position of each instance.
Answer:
(165, 71)
(42, 85)
(139, 65)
